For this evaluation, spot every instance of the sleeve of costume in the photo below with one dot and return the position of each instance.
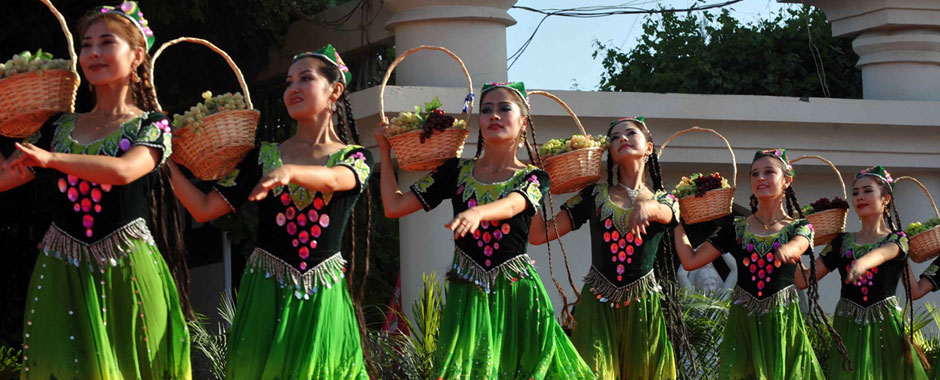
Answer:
(724, 238)
(932, 274)
(438, 185)
(830, 254)
(802, 227)
(235, 186)
(359, 160)
(580, 207)
(154, 133)
(670, 201)
(533, 187)
(899, 238)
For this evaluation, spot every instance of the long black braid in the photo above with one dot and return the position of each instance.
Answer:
(817, 315)
(346, 120)
(568, 320)
(894, 224)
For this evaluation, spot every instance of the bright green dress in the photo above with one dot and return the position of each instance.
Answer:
(102, 303)
(294, 318)
(621, 308)
(765, 336)
(868, 316)
(498, 321)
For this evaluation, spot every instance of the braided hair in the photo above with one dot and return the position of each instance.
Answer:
(664, 265)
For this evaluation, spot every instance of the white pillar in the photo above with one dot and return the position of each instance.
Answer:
(474, 30)
(898, 43)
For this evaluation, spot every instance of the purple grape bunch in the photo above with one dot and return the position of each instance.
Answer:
(438, 120)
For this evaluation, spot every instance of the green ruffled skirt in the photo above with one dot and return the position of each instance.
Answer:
(105, 311)
(508, 332)
(873, 337)
(289, 326)
(628, 342)
(766, 340)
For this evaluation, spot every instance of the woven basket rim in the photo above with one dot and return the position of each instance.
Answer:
(581, 150)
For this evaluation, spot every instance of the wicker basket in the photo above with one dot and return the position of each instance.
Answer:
(225, 137)
(714, 203)
(412, 153)
(828, 223)
(28, 99)
(571, 171)
(925, 245)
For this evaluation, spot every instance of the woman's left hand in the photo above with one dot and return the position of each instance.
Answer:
(29, 155)
(277, 177)
(465, 222)
(854, 273)
(640, 217)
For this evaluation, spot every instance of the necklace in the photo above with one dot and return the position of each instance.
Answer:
(631, 193)
(766, 225)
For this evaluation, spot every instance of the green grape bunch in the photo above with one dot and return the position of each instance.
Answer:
(193, 118)
(555, 147)
(418, 119)
(27, 62)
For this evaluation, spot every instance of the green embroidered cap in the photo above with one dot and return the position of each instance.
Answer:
(636, 119)
(518, 87)
(131, 11)
(879, 172)
(328, 53)
(778, 153)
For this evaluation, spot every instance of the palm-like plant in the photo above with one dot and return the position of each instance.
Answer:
(214, 344)
(705, 317)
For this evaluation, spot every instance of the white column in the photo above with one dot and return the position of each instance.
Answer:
(474, 30)
(898, 43)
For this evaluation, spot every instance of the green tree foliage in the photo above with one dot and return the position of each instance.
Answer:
(705, 53)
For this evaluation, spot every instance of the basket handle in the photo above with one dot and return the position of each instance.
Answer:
(577, 121)
(734, 161)
(200, 41)
(922, 187)
(468, 101)
(838, 173)
(65, 30)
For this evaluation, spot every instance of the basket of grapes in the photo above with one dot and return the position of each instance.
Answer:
(424, 139)
(704, 197)
(212, 137)
(826, 216)
(33, 87)
(575, 162)
(924, 237)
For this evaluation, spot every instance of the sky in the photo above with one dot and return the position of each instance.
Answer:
(572, 39)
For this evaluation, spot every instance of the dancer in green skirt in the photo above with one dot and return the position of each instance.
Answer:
(628, 223)
(870, 262)
(929, 281)
(498, 321)
(294, 317)
(765, 336)
(102, 303)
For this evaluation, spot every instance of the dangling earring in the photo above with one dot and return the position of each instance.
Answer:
(134, 77)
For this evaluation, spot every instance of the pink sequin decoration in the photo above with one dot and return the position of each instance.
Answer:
(324, 220)
(318, 203)
(290, 213)
(72, 179)
(83, 187)
(303, 236)
(304, 252)
(285, 198)
(303, 265)
(62, 185)
(96, 195)
(291, 228)
(280, 219)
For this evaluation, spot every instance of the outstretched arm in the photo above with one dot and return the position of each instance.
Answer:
(395, 203)
(203, 206)
(537, 234)
(801, 276)
(15, 176)
(135, 163)
(691, 258)
(469, 220)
